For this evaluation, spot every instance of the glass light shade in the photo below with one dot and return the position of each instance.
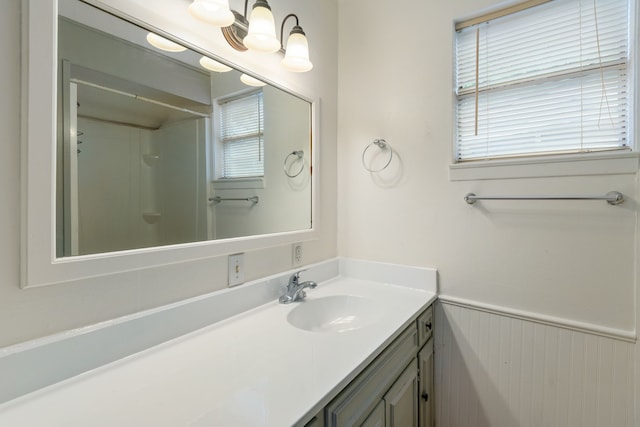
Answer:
(297, 56)
(261, 36)
(213, 65)
(250, 81)
(214, 12)
(164, 44)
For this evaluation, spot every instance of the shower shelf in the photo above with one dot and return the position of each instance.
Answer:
(151, 217)
(150, 159)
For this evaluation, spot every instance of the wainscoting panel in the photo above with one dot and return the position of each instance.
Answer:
(499, 371)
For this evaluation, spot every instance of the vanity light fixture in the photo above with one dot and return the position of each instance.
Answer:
(261, 36)
(251, 81)
(213, 65)
(296, 57)
(258, 34)
(214, 12)
(164, 44)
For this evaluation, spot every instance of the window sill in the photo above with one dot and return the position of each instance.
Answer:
(553, 166)
(238, 183)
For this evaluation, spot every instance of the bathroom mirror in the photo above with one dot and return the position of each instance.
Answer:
(144, 156)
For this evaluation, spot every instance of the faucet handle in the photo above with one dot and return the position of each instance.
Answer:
(296, 276)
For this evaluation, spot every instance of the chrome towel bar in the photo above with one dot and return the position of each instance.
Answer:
(612, 197)
(218, 199)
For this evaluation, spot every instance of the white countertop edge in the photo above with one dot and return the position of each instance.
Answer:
(55, 358)
(139, 370)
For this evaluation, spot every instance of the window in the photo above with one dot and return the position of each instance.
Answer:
(544, 77)
(242, 136)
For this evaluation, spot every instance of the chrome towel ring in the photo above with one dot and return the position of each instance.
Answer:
(299, 155)
(381, 144)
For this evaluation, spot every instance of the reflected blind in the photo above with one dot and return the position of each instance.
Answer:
(242, 134)
(547, 79)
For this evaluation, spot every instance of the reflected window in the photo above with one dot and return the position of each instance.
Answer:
(242, 136)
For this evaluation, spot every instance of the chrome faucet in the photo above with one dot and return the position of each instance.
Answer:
(295, 289)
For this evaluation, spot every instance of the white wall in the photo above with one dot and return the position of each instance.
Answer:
(567, 263)
(31, 313)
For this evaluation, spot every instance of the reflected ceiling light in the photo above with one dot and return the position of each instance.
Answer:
(296, 57)
(251, 81)
(261, 36)
(164, 44)
(258, 34)
(214, 12)
(213, 65)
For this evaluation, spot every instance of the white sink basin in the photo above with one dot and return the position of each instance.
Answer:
(338, 313)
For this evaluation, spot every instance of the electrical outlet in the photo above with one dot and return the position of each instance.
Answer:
(236, 269)
(297, 254)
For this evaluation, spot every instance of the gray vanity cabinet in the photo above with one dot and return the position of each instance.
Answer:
(425, 366)
(425, 326)
(377, 417)
(317, 421)
(401, 401)
(359, 400)
(388, 392)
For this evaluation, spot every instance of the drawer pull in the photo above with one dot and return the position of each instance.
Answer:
(425, 396)
(428, 325)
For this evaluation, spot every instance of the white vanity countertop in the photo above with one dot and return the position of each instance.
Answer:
(253, 369)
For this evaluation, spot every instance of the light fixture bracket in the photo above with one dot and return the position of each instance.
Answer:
(297, 29)
(236, 32)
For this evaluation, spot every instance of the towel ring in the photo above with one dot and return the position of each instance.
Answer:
(382, 144)
(299, 154)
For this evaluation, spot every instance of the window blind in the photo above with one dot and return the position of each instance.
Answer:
(242, 135)
(548, 79)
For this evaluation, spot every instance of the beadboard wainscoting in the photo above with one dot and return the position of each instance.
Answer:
(501, 371)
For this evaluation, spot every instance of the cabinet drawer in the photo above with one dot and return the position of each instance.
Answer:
(354, 404)
(425, 326)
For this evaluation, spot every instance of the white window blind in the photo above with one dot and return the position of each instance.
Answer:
(552, 78)
(242, 136)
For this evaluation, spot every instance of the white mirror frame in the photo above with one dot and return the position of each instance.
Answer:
(39, 265)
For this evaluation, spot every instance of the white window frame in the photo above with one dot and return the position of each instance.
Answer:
(556, 165)
(220, 182)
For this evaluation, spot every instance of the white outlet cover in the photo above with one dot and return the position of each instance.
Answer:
(297, 254)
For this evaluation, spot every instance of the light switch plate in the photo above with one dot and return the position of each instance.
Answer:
(236, 269)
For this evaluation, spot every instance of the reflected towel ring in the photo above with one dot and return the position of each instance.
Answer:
(382, 144)
(299, 154)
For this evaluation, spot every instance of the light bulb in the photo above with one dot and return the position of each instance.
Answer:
(296, 57)
(251, 81)
(213, 65)
(261, 35)
(214, 12)
(164, 44)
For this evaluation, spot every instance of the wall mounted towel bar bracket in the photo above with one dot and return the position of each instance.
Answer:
(612, 197)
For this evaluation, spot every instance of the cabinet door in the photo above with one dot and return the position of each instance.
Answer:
(425, 365)
(376, 418)
(401, 401)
